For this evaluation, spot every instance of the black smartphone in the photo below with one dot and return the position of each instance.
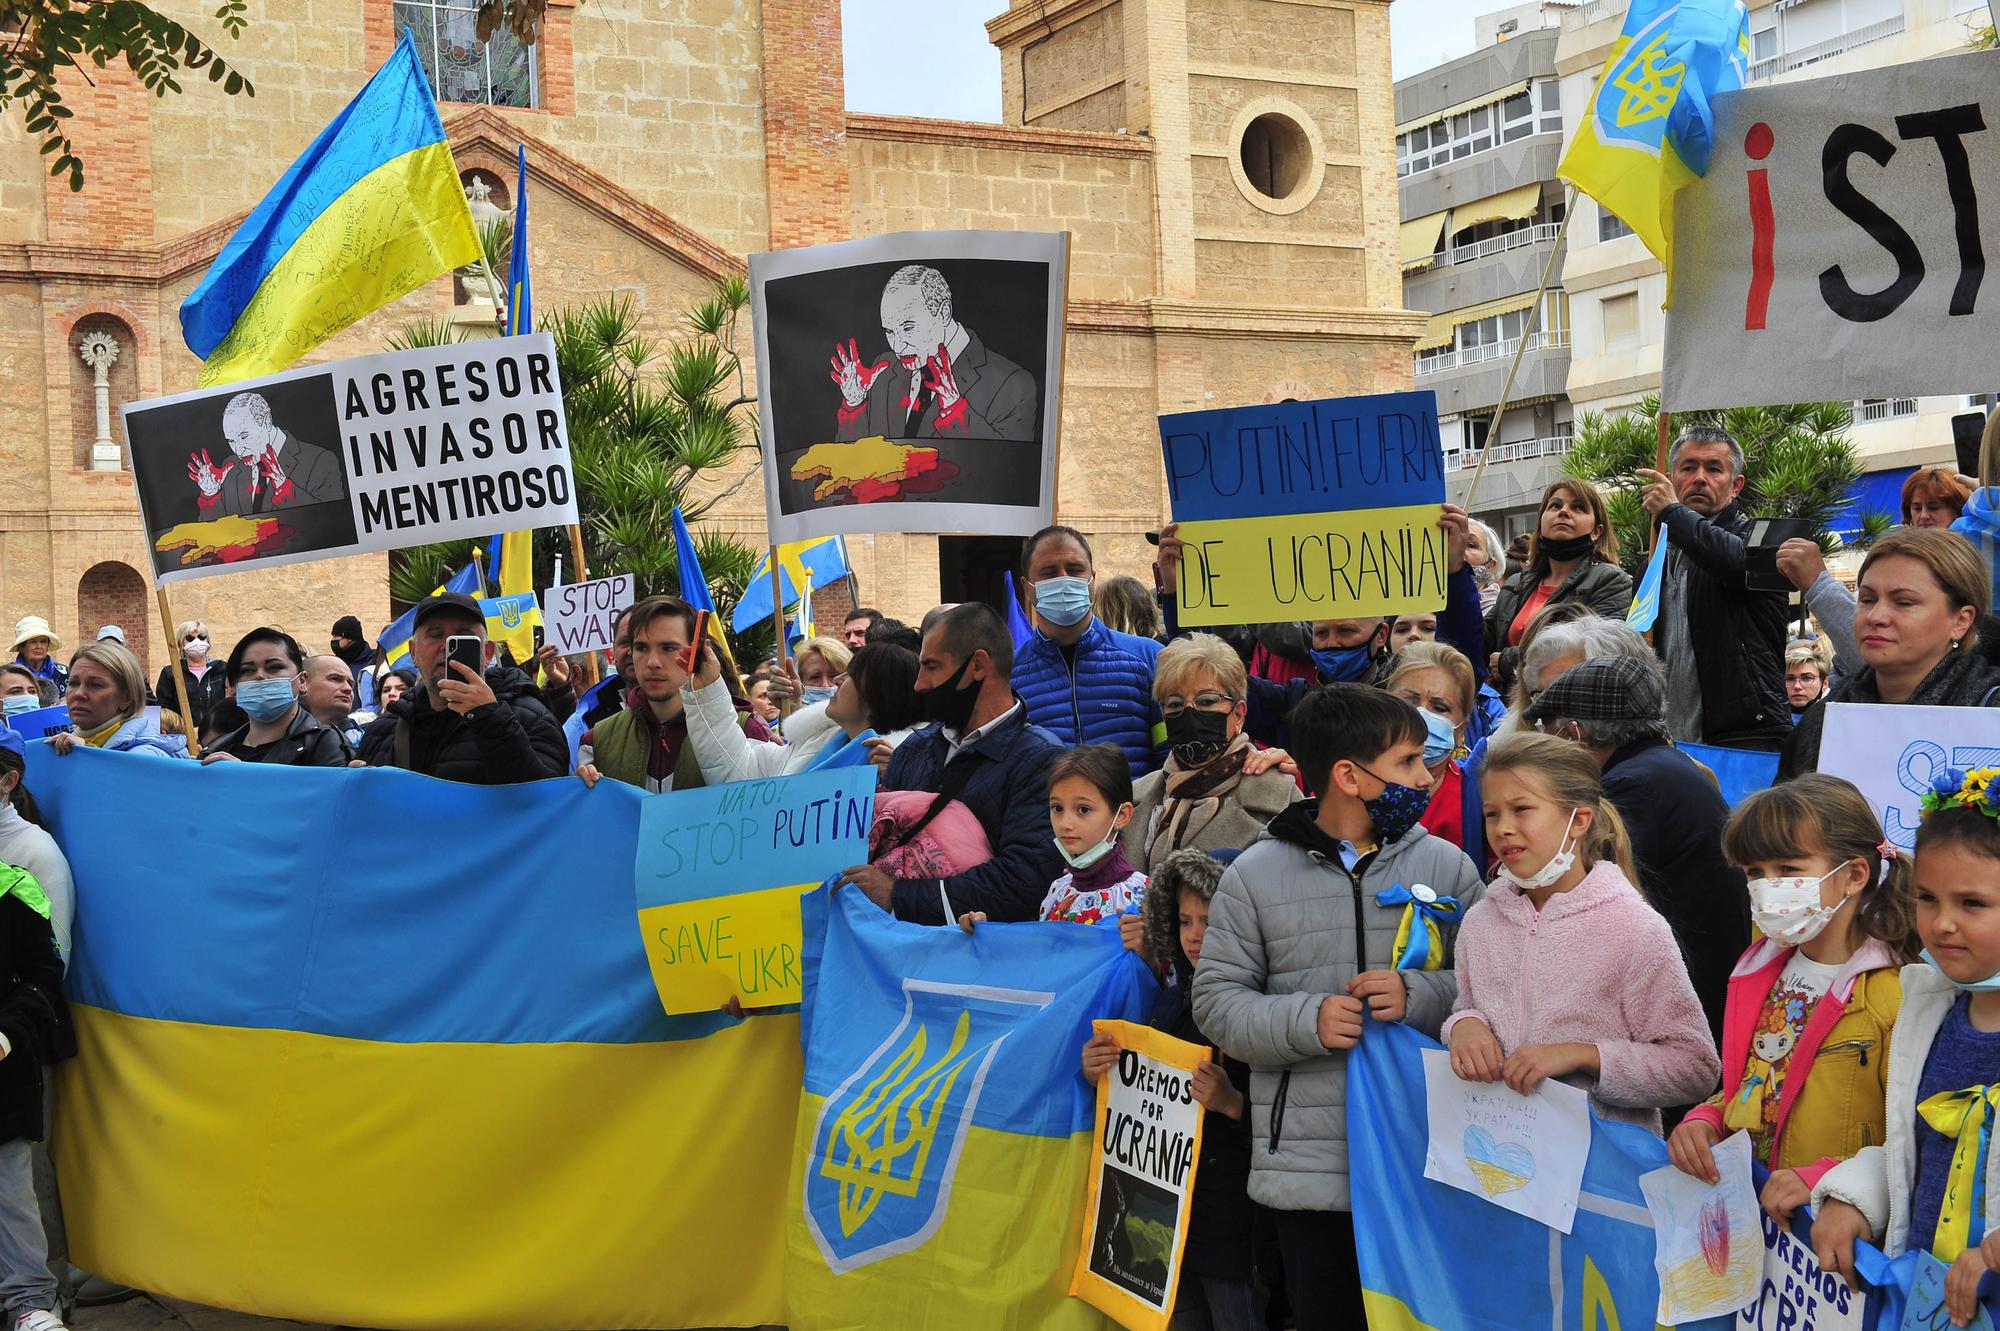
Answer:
(1966, 429)
(538, 637)
(465, 649)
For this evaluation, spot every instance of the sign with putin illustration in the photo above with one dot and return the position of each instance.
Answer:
(1837, 247)
(911, 382)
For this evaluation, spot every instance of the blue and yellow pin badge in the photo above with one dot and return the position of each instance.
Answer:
(1420, 935)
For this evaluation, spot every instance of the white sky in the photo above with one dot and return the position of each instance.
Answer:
(943, 66)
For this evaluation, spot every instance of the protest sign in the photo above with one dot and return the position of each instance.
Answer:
(1894, 753)
(1924, 1310)
(1708, 1266)
(1308, 510)
(1795, 1293)
(1148, 1144)
(1523, 1152)
(374, 453)
(719, 871)
(41, 723)
(945, 392)
(580, 617)
(1836, 248)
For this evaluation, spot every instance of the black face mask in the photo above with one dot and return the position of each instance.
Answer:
(950, 704)
(1574, 547)
(1196, 736)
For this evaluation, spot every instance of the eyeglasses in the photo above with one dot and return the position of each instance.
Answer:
(1206, 702)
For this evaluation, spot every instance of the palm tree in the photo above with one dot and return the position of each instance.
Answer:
(1797, 463)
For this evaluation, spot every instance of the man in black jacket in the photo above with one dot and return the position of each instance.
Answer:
(1723, 643)
(982, 752)
(483, 730)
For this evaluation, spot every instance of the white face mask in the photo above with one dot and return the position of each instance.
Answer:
(1559, 863)
(1788, 910)
(197, 647)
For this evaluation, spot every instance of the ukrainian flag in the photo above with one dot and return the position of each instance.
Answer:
(802, 565)
(1650, 123)
(520, 293)
(945, 1132)
(366, 1068)
(519, 612)
(395, 641)
(694, 585)
(1645, 606)
(370, 212)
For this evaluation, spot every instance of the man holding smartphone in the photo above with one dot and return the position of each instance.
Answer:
(471, 721)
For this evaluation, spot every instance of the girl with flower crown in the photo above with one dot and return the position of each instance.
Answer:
(1934, 1182)
(1805, 1033)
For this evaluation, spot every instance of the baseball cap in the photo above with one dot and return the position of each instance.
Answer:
(454, 601)
(1605, 688)
(111, 633)
(10, 742)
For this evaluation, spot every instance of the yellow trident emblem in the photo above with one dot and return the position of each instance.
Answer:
(880, 1142)
(1649, 83)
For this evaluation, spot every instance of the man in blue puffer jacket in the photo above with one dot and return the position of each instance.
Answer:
(1085, 683)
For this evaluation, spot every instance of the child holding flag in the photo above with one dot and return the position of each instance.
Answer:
(1812, 1004)
(1934, 1182)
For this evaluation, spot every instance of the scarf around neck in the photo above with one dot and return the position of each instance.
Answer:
(1192, 797)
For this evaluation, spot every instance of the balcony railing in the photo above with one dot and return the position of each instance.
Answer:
(1455, 360)
(1519, 450)
(1585, 15)
(1884, 409)
(1787, 61)
(1512, 240)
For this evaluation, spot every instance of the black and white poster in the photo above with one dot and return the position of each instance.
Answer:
(911, 382)
(374, 453)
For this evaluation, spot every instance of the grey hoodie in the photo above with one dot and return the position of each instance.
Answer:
(1282, 937)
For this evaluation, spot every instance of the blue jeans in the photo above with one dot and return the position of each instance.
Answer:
(25, 1281)
(1205, 1303)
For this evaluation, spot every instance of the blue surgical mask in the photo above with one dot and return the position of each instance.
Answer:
(1991, 984)
(1063, 601)
(1397, 809)
(1343, 667)
(818, 693)
(266, 699)
(1440, 740)
(19, 704)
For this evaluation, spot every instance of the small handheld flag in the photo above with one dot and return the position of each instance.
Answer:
(1646, 600)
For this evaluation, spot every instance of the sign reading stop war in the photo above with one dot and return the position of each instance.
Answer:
(719, 871)
(1837, 247)
(1308, 510)
(580, 616)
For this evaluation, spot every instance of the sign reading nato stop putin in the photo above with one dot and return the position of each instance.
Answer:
(1837, 247)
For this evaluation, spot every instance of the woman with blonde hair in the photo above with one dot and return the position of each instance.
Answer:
(1126, 604)
(1572, 556)
(1437, 680)
(107, 704)
(206, 682)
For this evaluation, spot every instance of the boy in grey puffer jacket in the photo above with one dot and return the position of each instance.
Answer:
(1299, 959)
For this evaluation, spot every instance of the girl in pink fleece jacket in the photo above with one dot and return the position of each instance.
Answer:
(1563, 968)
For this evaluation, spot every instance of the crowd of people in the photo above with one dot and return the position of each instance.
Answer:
(1485, 822)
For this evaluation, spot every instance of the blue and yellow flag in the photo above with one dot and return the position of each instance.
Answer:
(1645, 606)
(944, 1131)
(1650, 122)
(694, 585)
(802, 565)
(395, 640)
(520, 293)
(365, 1068)
(371, 211)
(520, 612)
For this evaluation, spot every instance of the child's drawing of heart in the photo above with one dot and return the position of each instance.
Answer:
(1713, 1226)
(1498, 1168)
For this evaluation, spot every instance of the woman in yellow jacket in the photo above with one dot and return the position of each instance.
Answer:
(1805, 1032)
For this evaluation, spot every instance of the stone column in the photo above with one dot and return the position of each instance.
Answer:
(99, 351)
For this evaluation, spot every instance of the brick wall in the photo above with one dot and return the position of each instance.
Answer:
(805, 122)
(114, 135)
(113, 593)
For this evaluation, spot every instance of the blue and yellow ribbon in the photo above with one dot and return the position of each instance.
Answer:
(1967, 1117)
(1420, 935)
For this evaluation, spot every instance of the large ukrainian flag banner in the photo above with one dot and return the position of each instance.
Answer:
(382, 1050)
(1650, 122)
(944, 1133)
(371, 211)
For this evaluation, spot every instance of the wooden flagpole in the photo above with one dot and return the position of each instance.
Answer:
(590, 672)
(788, 702)
(180, 677)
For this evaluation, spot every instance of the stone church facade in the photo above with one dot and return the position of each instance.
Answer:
(1225, 167)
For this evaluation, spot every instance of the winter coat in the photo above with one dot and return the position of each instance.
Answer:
(1675, 816)
(1599, 584)
(26, 846)
(510, 740)
(1595, 965)
(726, 753)
(34, 1019)
(1008, 792)
(1961, 679)
(621, 746)
(1738, 634)
(306, 743)
(1881, 1181)
(1831, 1106)
(1242, 812)
(142, 735)
(1219, 1223)
(1287, 929)
(204, 694)
(1106, 699)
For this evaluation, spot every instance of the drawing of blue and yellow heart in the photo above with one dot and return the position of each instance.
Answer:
(1498, 1168)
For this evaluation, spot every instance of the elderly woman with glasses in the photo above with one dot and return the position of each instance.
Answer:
(1218, 789)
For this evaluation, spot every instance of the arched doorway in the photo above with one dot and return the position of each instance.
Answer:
(115, 593)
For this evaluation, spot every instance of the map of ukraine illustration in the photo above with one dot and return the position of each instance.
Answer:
(226, 539)
(866, 470)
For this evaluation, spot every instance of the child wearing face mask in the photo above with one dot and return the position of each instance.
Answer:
(1805, 1033)
(1090, 802)
(1564, 970)
(1933, 1182)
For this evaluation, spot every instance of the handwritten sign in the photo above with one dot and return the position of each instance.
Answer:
(1708, 1263)
(1135, 1217)
(41, 723)
(1795, 1293)
(1894, 753)
(1523, 1152)
(1308, 510)
(1925, 1309)
(719, 871)
(580, 617)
